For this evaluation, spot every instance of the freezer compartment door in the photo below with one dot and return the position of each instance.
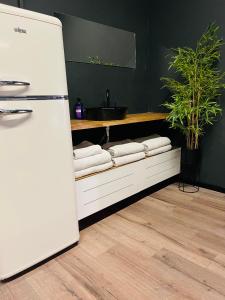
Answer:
(38, 214)
(31, 57)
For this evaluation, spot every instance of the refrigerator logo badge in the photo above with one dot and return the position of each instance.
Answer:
(20, 30)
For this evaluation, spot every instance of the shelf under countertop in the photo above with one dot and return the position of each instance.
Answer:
(130, 119)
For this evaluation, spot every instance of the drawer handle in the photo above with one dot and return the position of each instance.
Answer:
(108, 182)
(15, 111)
(162, 172)
(13, 83)
(130, 185)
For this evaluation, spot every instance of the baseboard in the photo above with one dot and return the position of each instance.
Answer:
(211, 187)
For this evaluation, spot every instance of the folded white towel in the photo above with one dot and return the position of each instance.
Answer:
(93, 170)
(87, 151)
(156, 143)
(123, 160)
(126, 149)
(91, 161)
(159, 150)
(145, 138)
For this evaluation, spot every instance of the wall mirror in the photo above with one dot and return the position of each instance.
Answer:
(90, 42)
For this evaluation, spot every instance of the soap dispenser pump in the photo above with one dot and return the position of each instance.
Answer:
(107, 94)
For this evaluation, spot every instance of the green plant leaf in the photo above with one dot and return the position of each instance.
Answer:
(197, 87)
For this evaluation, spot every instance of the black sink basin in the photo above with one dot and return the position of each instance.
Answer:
(106, 113)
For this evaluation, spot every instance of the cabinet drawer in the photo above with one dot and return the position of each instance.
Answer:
(163, 157)
(157, 169)
(165, 174)
(104, 189)
(161, 167)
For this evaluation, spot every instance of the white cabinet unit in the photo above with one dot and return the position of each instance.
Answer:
(101, 190)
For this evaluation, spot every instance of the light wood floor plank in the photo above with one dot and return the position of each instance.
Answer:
(194, 271)
(191, 203)
(167, 246)
(185, 285)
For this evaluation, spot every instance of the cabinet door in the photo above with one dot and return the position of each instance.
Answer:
(35, 55)
(37, 197)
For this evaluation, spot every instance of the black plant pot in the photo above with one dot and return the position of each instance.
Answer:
(190, 170)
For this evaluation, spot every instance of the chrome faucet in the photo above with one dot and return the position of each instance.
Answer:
(107, 94)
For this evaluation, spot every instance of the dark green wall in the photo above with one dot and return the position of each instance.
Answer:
(89, 82)
(159, 26)
(10, 2)
(180, 23)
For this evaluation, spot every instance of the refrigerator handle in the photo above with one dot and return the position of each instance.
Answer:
(13, 83)
(15, 111)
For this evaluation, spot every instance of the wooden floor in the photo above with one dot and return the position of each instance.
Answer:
(169, 245)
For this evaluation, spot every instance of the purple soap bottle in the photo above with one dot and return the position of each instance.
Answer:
(79, 109)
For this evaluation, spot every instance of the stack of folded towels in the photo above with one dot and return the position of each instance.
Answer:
(125, 152)
(155, 144)
(90, 158)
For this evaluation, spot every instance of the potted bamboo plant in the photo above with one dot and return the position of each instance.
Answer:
(195, 91)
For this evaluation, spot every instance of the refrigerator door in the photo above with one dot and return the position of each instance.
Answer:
(31, 54)
(37, 199)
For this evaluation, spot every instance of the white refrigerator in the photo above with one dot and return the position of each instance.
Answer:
(37, 198)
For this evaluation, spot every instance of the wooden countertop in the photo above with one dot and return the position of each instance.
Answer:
(130, 119)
